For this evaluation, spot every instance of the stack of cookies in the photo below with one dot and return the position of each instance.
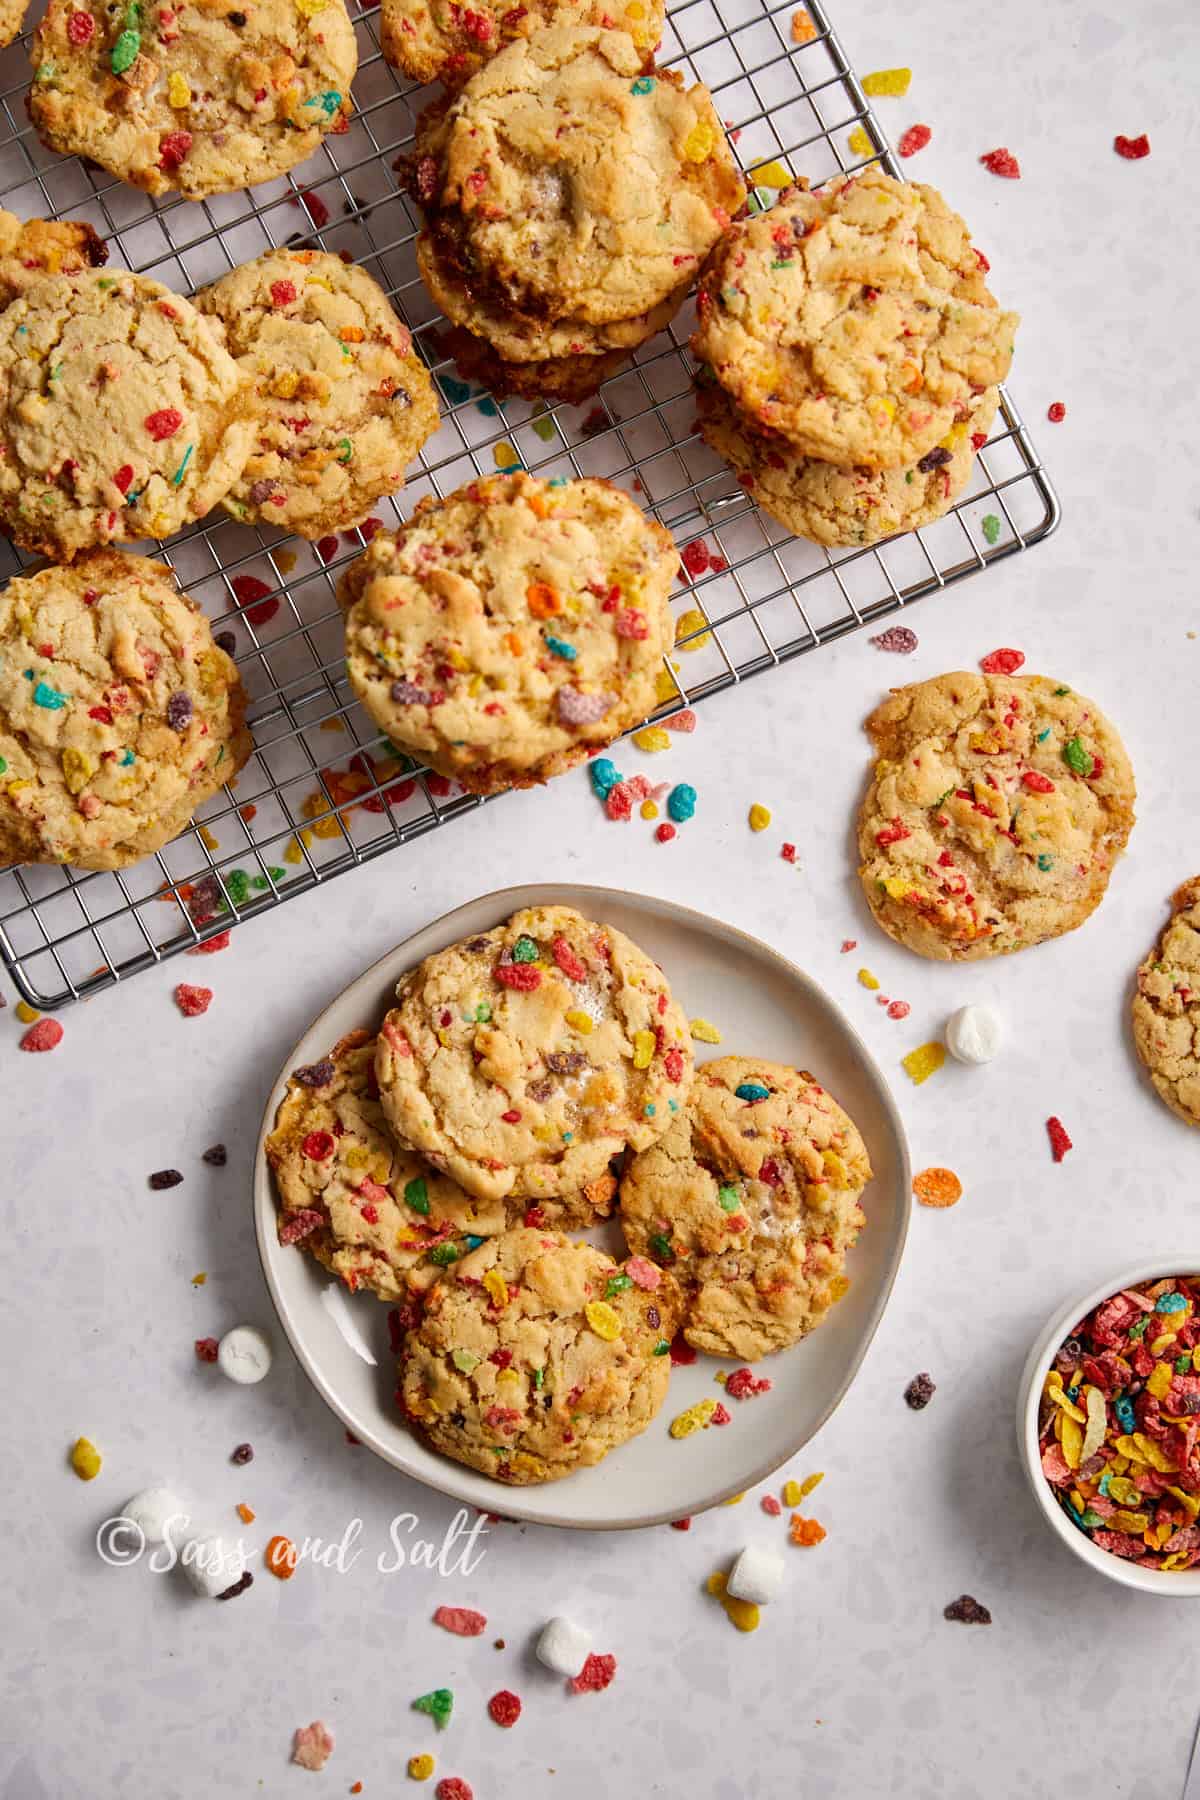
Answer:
(441, 1163)
(850, 353)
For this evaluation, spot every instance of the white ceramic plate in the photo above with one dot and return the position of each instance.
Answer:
(765, 1007)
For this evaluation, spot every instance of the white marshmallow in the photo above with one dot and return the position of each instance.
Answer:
(212, 1564)
(973, 1034)
(757, 1575)
(244, 1354)
(150, 1511)
(563, 1646)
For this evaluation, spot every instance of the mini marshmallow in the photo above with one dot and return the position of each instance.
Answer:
(757, 1576)
(212, 1564)
(151, 1510)
(973, 1034)
(563, 1646)
(244, 1354)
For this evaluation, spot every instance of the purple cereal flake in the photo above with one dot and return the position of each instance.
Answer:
(179, 710)
(920, 1391)
(575, 708)
(937, 458)
(216, 1156)
(653, 1317)
(239, 1587)
(242, 1453)
(165, 1178)
(897, 638)
(407, 693)
(261, 491)
(966, 1610)
(566, 1062)
(314, 1075)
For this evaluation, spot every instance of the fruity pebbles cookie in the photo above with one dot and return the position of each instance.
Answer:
(508, 630)
(440, 40)
(751, 1200)
(536, 1356)
(31, 249)
(342, 404)
(1166, 1007)
(996, 811)
(12, 17)
(521, 1061)
(853, 320)
(199, 99)
(121, 416)
(118, 713)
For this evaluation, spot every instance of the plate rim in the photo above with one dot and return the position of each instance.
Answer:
(460, 1482)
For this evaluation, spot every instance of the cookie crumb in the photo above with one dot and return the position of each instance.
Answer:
(966, 1610)
(920, 1392)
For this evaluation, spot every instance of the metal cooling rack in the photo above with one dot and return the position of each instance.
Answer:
(323, 792)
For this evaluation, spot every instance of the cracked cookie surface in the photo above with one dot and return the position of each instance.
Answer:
(536, 1356)
(440, 40)
(996, 811)
(751, 1200)
(521, 1061)
(118, 713)
(1166, 1007)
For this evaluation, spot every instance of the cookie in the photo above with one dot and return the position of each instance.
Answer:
(196, 99)
(342, 403)
(995, 813)
(31, 249)
(121, 417)
(751, 1200)
(536, 1356)
(835, 506)
(1166, 1007)
(504, 632)
(118, 713)
(439, 40)
(572, 379)
(569, 199)
(840, 320)
(12, 17)
(521, 1061)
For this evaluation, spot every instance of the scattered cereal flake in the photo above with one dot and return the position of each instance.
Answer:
(1056, 412)
(810, 1482)
(1003, 163)
(704, 1033)
(803, 29)
(438, 1703)
(420, 1768)
(770, 1506)
(1060, 1143)
(680, 721)
(742, 1613)
(206, 1349)
(805, 1532)
(85, 1459)
(788, 852)
(682, 1524)
(199, 1279)
(505, 1708)
(694, 1418)
(914, 139)
(1002, 662)
(1132, 149)
(991, 527)
(453, 1787)
(860, 143)
(506, 456)
(45, 1035)
(165, 1178)
(937, 1187)
(898, 1009)
(744, 1384)
(923, 1062)
(652, 738)
(281, 1558)
(759, 817)
(967, 1611)
(893, 82)
(867, 980)
(899, 640)
(693, 626)
(246, 1513)
(849, 944)
(313, 1745)
(192, 1001)
(773, 174)
(920, 1391)
(463, 1621)
(791, 1493)
(28, 1015)
(208, 839)
(596, 1674)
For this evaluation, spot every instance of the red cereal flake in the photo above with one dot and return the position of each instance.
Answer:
(1060, 1143)
(664, 833)
(914, 139)
(521, 976)
(1002, 662)
(771, 1506)
(630, 623)
(192, 1001)
(681, 721)
(123, 479)
(80, 28)
(327, 548)
(1036, 782)
(788, 852)
(721, 1415)
(1132, 149)
(1056, 412)
(618, 802)
(892, 834)
(46, 1034)
(682, 1354)
(682, 1524)
(595, 1675)
(571, 965)
(318, 1145)
(463, 1621)
(438, 785)
(695, 557)
(744, 1384)
(173, 149)
(211, 945)
(206, 1349)
(898, 640)
(849, 944)
(283, 293)
(1003, 163)
(898, 1009)
(164, 423)
(300, 1224)
(315, 207)
(453, 1787)
(673, 1063)
(251, 592)
(312, 1746)
(505, 1708)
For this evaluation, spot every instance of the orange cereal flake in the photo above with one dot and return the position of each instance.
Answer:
(937, 1187)
(281, 1558)
(803, 29)
(245, 1513)
(805, 1531)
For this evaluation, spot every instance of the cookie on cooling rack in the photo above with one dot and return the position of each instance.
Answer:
(508, 630)
(197, 99)
(118, 713)
(31, 249)
(523, 1060)
(342, 402)
(854, 321)
(996, 811)
(121, 417)
(12, 17)
(536, 1356)
(1166, 1007)
(569, 201)
(439, 40)
(836, 506)
(751, 1200)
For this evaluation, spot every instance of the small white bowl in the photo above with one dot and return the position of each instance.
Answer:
(1179, 1583)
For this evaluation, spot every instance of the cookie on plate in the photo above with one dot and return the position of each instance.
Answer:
(439, 40)
(196, 99)
(342, 403)
(841, 320)
(118, 713)
(121, 417)
(31, 249)
(506, 631)
(835, 506)
(521, 1061)
(1166, 1007)
(751, 1200)
(996, 811)
(569, 198)
(536, 1356)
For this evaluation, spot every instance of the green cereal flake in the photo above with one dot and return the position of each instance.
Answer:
(727, 1199)
(443, 1255)
(439, 1705)
(1076, 757)
(125, 50)
(991, 527)
(416, 1195)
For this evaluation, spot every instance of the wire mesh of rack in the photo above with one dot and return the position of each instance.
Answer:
(323, 792)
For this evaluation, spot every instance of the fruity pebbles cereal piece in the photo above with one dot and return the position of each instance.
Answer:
(966, 1610)
(461, 1620)
(937, 1187)
(313, 1745)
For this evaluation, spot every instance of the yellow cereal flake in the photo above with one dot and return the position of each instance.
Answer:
(735, 1499)
(26, 1013)
(700, 142)
(759, 817)
(286, 384)
(208, 840)
(665, 688)
(496, 1288)
(1097, 1423)
(85, 1459)
(923, 1062)
(420, 1768)
(693, 620)
(652, 738)
(1070, 1434)
(579, 1021)
(703, 1032)
(860, 143)
(199, 1279)
(742, 1613)
(867, 980)
(803, 29)
(771, 174)
(505, 456)
(77, 769)
(1159, 1380)
(792, 1492)
(286, 560)
(1132, 1522)
(179, 92)
(604, 1320)
(810, 1482)
(308, 9)
(643, 1049)
(649, 809)
(695, 1418)
(893, 82)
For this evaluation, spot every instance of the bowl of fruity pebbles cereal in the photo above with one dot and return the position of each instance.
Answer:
(1109, 1424)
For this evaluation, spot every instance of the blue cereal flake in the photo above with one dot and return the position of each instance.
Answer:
(1123, 1407)
(487, 406)
(681, 802)
(453, 392)
(1170, 1303)
(604, 775)
(126, 759)
(50, 698)
(560, 647)
(643, 85)
(752, 1090)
